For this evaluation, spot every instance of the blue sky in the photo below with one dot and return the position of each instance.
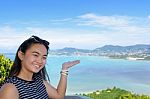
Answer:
(85, 24)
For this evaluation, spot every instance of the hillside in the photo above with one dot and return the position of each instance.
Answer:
(139, 51)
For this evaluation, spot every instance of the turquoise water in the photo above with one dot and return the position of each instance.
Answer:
(98, 73)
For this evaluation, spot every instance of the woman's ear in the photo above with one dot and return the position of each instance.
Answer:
(20, 55)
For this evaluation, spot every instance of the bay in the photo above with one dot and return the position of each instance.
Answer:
(98, 73)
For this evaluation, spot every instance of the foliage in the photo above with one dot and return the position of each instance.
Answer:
(115, 93)
(5, 66)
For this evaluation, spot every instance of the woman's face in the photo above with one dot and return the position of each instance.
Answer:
(34, 59)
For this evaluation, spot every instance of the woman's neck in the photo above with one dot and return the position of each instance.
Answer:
(25, 75)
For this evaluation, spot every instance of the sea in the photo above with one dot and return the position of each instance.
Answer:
(99, 73)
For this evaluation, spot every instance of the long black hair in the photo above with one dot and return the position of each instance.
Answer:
(16, 67)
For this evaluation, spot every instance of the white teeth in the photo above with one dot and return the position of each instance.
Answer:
(37, 66)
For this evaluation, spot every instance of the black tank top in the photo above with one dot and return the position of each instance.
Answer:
(29, 89)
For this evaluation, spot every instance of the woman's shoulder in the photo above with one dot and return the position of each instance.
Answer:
(8, 87)
(8, 90)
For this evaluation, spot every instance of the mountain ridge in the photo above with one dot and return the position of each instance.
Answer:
(108, 47)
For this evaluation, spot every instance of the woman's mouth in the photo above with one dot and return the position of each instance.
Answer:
(37, 66)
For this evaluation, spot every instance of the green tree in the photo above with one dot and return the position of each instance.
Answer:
(5, 66)
(115, 93)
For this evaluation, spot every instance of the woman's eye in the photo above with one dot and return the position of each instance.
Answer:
(35, 55)
(44, 58)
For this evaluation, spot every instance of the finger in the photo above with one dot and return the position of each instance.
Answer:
(75, 62)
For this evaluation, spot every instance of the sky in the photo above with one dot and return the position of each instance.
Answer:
(83, 24)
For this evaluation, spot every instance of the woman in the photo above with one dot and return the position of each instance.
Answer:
(28, 76)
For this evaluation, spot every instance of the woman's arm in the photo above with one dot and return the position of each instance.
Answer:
(59, 93)
(9, 91)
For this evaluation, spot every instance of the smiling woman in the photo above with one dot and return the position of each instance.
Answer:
(29, 73)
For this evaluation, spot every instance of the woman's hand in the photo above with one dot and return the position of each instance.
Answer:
(67, 65)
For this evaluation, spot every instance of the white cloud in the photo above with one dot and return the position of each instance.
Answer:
(60, 38)
(92, 19)
(149, 16)
(6, 29)
(96, 30)
(116, 24)
(10, 37)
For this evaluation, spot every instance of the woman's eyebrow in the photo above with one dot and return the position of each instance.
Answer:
(38, 53)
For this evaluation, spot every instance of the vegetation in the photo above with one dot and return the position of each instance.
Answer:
(142, 56)
(5, 66)
(147, 58)
(114, 93)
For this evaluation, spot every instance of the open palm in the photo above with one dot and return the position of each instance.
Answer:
(69, 64)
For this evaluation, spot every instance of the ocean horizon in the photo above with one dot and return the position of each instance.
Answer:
(99, 73)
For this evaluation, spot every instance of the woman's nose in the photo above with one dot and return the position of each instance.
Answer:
(40, 60)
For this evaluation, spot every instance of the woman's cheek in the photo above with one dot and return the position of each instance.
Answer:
(44, 62)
